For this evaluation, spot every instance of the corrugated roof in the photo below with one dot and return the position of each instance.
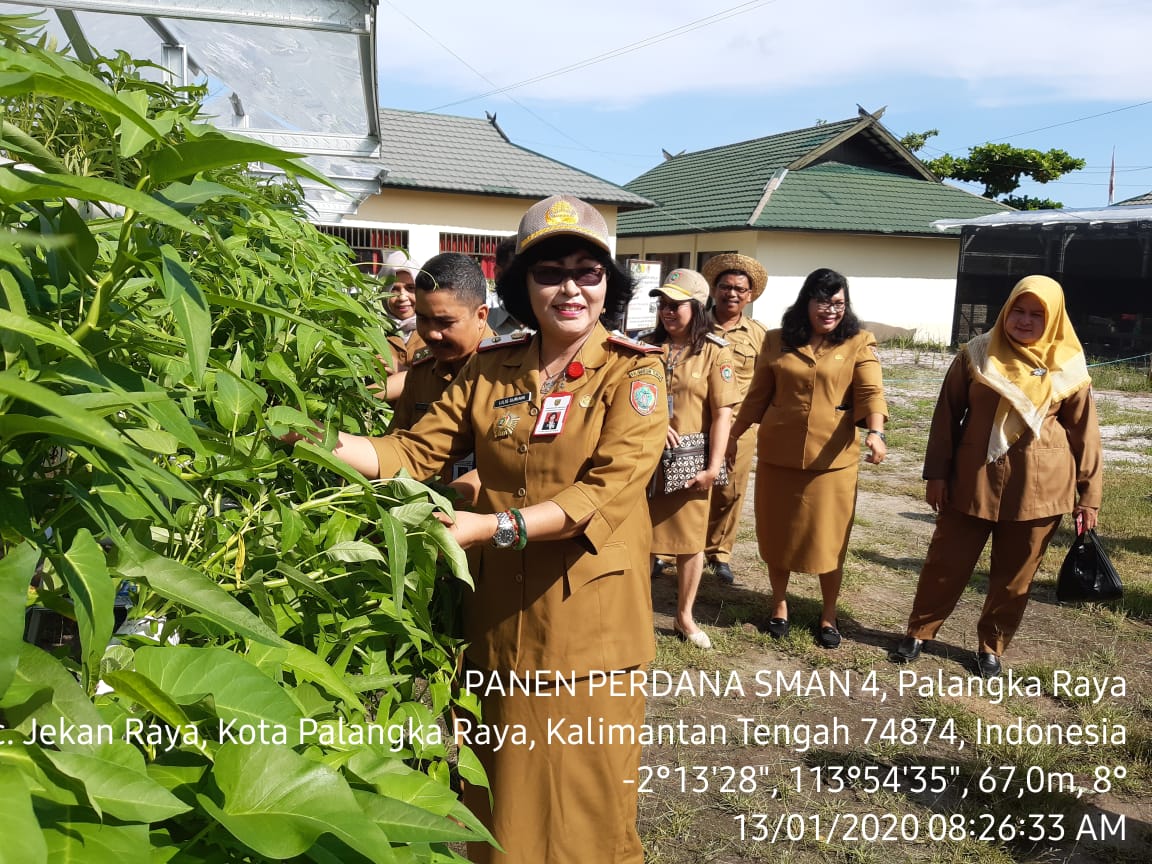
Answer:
(860, 180)
(719, 188)
(1138, 201)
(833, 196)
(443, 153)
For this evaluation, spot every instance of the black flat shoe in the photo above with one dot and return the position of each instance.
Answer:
(723, 572)
(988, 665)
(907, 651)
(828, 637)
(778, 628)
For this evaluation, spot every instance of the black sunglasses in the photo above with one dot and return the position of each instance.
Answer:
(545, 274)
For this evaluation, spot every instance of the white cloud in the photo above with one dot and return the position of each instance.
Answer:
(1004, 50)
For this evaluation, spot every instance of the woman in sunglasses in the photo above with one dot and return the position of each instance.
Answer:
(702, 389)
(817, 379)
(567, 425)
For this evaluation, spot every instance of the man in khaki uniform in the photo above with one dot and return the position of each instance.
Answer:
(736, 281)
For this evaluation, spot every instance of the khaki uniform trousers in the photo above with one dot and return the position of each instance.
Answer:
(1017, 549)
(560, 803)
(728, 502)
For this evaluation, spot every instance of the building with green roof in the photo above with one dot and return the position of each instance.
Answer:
(846, 195)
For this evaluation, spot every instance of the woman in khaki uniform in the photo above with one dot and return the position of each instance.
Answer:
(816, 380)
(560, 538)
(702, 390)
(1014, 445)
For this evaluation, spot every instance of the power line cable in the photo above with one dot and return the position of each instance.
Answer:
(691, 26)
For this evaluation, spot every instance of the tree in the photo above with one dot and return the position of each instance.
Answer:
(1000, 168)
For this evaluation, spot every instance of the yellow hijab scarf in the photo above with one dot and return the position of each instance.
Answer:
(1029, 378)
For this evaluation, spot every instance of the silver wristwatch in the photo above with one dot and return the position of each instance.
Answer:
(505, 535)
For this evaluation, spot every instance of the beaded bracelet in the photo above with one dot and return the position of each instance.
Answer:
(521, 530)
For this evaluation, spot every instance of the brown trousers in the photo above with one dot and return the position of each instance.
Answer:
(1017, 549)
(560, 802)
(728, 502)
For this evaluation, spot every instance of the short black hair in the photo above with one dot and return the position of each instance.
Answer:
(513, 284)
(456, 273)
(506, 251)
(821, 284)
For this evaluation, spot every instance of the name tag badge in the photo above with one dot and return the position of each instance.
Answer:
(512, 400)
(553, 414)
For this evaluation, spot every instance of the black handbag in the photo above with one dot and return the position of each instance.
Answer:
(1087, 574)
(680, 464)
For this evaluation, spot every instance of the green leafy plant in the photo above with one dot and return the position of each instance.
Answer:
(164, 317)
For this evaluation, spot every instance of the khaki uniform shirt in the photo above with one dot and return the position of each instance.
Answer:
(699, 383)
(745, 339)
(809, 405)
(574, 605)
(402, 351)
(1036, 478)
(426, 381)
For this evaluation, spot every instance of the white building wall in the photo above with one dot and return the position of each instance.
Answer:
(907, 282)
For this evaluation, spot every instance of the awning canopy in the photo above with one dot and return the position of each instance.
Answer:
(298, 74)
(1051, 217)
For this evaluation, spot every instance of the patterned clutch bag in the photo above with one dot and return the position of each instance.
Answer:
(680, 464)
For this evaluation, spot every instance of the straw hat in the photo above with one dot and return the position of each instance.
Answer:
(718, 264)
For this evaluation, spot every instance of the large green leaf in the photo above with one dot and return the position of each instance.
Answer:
(44, 692)
(23, 843)
(117, 784)
(352, 551)
(196, 592)
(217, 149)
(41, 333)
(189, 309)
(396, 542)
(76, 835)
(453, 554)
(133, 138)
(405, 823)
(18, 186)
(279, 803)
(307, 666)
(235, 399)
(92, 589)
(240, 692)
(145, 693)
(53, 75)
(16, 571)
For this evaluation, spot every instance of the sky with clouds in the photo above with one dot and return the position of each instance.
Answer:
(604, 86)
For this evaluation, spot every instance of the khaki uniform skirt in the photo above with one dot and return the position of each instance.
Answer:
(804, 518)
(679, 522)
(583, 809)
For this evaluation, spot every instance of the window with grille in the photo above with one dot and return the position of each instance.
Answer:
(371, 245)
(481, 247)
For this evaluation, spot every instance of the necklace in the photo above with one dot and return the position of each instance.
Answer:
(570, 369)
(674, 354)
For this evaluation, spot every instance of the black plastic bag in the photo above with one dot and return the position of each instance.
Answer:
(1087, 575)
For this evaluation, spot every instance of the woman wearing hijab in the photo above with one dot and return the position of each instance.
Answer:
(1014, 445)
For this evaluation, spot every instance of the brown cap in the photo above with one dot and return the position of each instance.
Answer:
(718, 264)
(562, 214)
(683, 284)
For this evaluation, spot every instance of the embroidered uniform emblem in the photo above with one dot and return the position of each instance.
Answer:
(561, 213)
(505, 426)
(643, 397)
(726, 372)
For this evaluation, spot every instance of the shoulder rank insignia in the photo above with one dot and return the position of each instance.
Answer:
(618, 338)
(519, 337)
(421, 356)
(719, 340)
